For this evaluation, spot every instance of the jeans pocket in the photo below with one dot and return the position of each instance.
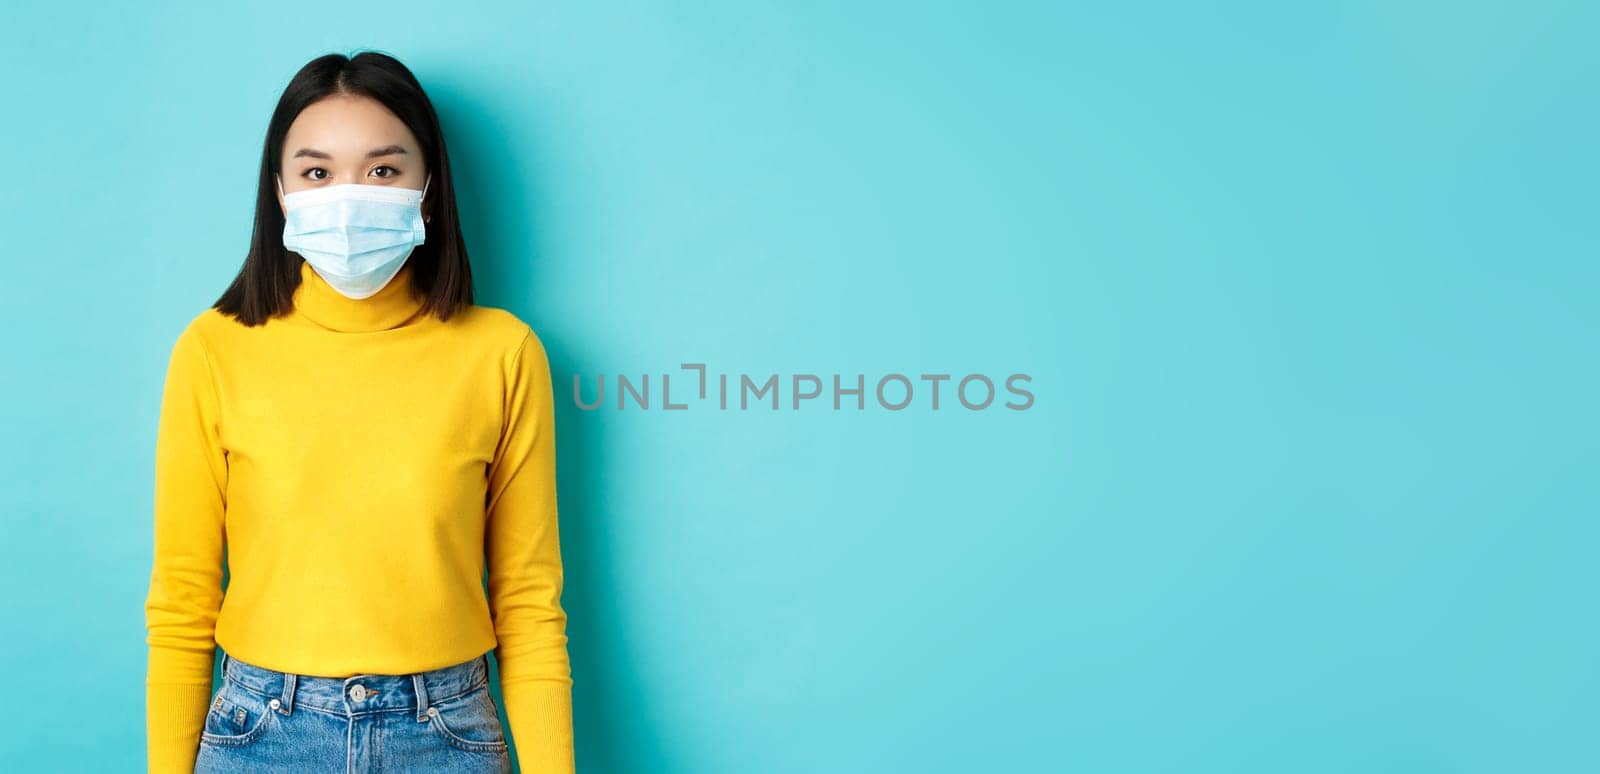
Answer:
(469, 722)
(237, 716)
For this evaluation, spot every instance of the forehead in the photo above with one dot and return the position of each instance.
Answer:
(346, 127)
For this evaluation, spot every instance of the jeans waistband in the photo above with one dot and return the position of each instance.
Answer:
(360, 694)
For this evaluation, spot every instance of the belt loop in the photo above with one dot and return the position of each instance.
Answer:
(422, 696)
(224, 665)
(287, 699)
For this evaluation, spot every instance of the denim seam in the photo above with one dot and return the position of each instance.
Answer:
(239, 740)
(462, 743)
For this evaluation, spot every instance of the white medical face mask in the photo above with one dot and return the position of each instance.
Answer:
(357, 237)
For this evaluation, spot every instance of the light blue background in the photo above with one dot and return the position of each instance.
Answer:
(1308, 296)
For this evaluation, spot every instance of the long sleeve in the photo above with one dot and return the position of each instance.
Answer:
(525, 569)
(186, 576)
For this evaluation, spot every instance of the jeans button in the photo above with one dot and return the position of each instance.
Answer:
(359, 692)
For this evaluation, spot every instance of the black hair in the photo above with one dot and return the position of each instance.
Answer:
(440, 271)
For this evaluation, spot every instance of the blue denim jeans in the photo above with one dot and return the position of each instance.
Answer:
(443, 720)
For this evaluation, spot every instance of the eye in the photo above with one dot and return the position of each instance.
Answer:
(308, 172)
(391, 169)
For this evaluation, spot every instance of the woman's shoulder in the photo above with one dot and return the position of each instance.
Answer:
(475, 325)
(502, 327)
(207, 325)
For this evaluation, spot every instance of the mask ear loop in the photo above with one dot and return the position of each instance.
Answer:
(425, 194)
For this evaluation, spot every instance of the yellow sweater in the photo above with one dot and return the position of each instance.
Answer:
(363, 465)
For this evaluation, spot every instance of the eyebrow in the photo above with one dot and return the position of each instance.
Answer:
(387, 150)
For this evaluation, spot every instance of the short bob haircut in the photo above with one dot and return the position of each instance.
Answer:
(440, 272)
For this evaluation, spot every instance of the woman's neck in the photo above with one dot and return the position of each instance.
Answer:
(391, 307)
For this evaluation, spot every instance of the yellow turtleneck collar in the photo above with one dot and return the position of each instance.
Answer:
(390, 307)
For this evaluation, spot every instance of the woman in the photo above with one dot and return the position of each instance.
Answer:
(364, 443)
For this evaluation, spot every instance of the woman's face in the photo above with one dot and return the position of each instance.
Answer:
(349, 139)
